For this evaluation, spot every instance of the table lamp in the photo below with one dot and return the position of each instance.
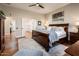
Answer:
(77, 24)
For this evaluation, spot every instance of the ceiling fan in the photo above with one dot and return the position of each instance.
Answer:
(37, 4)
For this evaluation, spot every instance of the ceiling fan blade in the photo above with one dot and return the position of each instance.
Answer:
(41, 6)
(32, 5)
(37, 4)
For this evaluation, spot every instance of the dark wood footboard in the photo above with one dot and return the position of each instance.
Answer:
(41, 38)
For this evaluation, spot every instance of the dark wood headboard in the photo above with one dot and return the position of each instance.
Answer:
(58, 24)
(61, 25)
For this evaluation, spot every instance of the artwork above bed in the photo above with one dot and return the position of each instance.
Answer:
(58, 16)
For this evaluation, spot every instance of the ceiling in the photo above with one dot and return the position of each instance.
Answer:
(49, 7)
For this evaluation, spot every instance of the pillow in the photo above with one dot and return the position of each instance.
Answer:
(59, 29)
(49, 28)
(53, 27)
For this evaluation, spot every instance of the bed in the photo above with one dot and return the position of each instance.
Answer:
(65, 26)
(43, 38)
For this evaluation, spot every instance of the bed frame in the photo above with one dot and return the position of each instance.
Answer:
(43, 38)
(63, 40)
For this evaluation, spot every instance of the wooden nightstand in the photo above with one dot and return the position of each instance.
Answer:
(73, 50)
(74, 37)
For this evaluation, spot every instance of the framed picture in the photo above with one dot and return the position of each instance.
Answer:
(39, 22)
(58, 16)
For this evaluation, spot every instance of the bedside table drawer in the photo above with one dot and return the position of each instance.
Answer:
(74, 37)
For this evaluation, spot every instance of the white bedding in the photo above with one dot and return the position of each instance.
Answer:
(56, 34)
(61, 34)
(59, 31)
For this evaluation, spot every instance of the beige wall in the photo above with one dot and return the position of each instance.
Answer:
(18, 13)
(71, 16)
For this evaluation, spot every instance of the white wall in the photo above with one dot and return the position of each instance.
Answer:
(27, 16)
(71, 16)
(15, 12)
(49, 16)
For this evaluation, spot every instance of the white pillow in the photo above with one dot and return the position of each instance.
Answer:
(49, 28)
(53, 27)
(59, 29)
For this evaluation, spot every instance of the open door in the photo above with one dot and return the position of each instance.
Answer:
(18, 27)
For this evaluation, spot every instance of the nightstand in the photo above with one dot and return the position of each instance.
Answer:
(74, 37)
(73, 50)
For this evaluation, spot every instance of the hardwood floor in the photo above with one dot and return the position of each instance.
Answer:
(28, 34)
(9, 52)
(11, 45)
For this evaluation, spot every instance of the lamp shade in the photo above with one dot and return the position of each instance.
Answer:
(77, 23)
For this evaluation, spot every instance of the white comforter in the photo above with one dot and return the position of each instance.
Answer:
(61, 34)
(55, 35)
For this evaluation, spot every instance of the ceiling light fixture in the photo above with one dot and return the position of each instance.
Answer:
(37, 4)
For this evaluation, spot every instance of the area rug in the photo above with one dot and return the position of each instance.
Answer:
(57, 50)
(30, 52)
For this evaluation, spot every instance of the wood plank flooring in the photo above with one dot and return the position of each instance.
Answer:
(11, 45)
